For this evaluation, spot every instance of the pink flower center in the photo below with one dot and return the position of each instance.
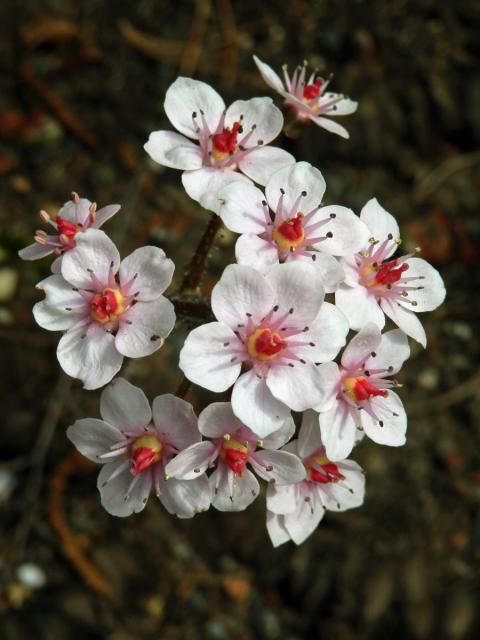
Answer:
(358, 389)
(312, 91)
(225, 143)
(235, 454)
(66, 228)
(146, 451)
(264, 344)
(386, 274)
(290, 233)
(328, 472)
(107, 306)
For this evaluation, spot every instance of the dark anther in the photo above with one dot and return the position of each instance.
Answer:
(290, 310)
(314, 256)
(275, 308)
(329, 234)
(380, 422)
(154, 338)
(304, 193)
(333, 215)
(282, 191)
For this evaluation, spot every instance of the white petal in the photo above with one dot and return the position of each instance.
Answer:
(243, 492)
(241, 291)
(282, 499)
(269, 75)
(217, 419)
(391, 353)
(330, 125)
(348, 493)
(301, 524)
(276, 529)
(94, 255)
(343, 107)
(205, 361)
(297, 286)
(281, 467)
(380, 222)
(35, 251)
(338, 428)
(75, 212)
(261, 163)
(331, 376)
(280, 436)
(144, 327)
(93, 437)
(361, 346)
(259, 113)
(173, 150)
(254, 404)
(90, 355)
(149, 271)
(359, 307)
(326, 335)
(391, 413)
(192, 461)
(115, 495)
(300, 387)
(186, 97)
(406, 320)
(252, 251)
(175, 421)
(185, 498)
(204, 184)
(433, 292)
(350, 234)
(104, 214)
(62, 307)
(295, 179)
(241, 208)
(125, 406)
(309, 435)
(330, 272)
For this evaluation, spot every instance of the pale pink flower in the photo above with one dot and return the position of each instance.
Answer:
(280, 328)
(377, 284)
(362, 395)
(308, 97)
(108, 309)
(134, 451)
(294, 512)
(290, 223)
(232, 447)
(227, 141)
(76, 215)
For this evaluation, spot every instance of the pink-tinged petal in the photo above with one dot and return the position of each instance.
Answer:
(301, 524)
(338, 428)
(406, 320)
(94, 255)
(185, 498)
(296, 179)
(326, 335)
(380, 222)
(186, 97)
(76, 212)
(241, 208)
(330, 272)
(192, 461)
(234, 493)
(56, 266)
(204, 184)
(118, 496)
(299, 387)
(149, 271)
(350, 270)
(261, 163)
(390, 423)
(280, 436)
(258, 116)
(276, 529)
(175, 421)
(62, 307)
(431, 292)
(218, 419)
(343, 107)
(104, 214)
(282, 499)
(144, 327)
(309, 435)
(125, 406)
(348, 493)
(280, 467)
(89, 353)
(35, 251)
(331, 376)
(349, 233)
(253, 251)
(173, 150)
(361, 346)
(391, 353)
(254, 404)
(297, 286)
(240, 294)
(206, 361)
(330, 125)
(269, 75)
(359, 307)
(93, 437)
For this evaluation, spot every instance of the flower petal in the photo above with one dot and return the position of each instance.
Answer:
(218, 419)
(269, 75)
(343, 107)
(296, 179)
(330, 125)
(261, 163)
(359, 307)
(35, 251)
(241, 208)
(175, 421)
(62, 308)
(309, 435)
(115, 495)
(104, 214)
(380, 222)
(349, 493)
(349, 233)
(299, 386)
(432, 292)
(149, 271)
(282, 499)
(185, 498)
(253, 251)
(391, 353)
(390, 424)
(406, 320)
(192, 461)
(276, 529)
(326, 335)
(173, 150)
(361, 346)
(204, 184)
(234, 493)
(301, 524)
(259, 117)
(338, 429)
(280, 467)
(94, 256)
(279, 437)
(125, 406)
(330, 272)
(144, 327)
(93, 437)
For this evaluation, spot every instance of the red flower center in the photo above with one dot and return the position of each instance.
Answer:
(358, 389)
(290, 233)
(107, 306)
(387, 273)
(235, 454)
(329, 471)
(264, 344)
(66, 228)
(311, 91)
(146, 451)
(225, 143)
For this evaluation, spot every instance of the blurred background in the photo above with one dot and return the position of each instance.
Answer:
(81, 86)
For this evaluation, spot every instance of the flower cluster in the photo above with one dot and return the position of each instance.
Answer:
(312, 283)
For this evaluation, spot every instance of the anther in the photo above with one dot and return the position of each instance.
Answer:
(333, 215)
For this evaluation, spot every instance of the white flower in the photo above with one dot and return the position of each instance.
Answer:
(134, 451)
(226, 140)
(376, 285)
(299, 227)
(76, 216)
(294, 512)
(233, 446)
(308, 97)
(108, 309)
(279, 326)
(362, 393)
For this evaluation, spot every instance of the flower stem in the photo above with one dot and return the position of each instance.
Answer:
(194, 273)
